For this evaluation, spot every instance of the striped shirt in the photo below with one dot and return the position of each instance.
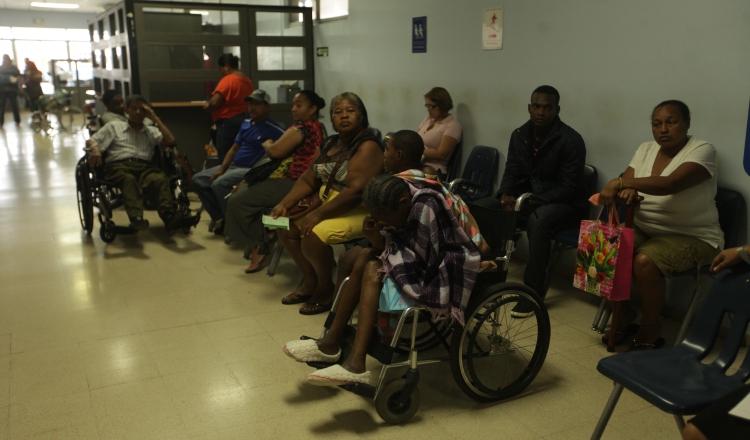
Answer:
(121, 142)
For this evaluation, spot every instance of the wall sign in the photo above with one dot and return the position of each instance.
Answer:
(419, 35)
(321, 51)
(492, 29)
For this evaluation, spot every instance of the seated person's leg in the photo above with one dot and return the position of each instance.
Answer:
(489, 202)
(126, 179)
(656, 259)
(540, 227)
(155, 184)
(293, 244)
(366, 319)
(223, 185)
(202, 187)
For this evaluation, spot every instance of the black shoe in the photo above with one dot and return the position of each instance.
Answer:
(219, 227)
(180, 220)
(523, 309)
(138, 223)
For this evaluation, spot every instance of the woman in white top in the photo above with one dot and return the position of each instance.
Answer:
(676, 223)
(439, 130)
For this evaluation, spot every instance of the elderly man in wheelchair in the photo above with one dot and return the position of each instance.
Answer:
(430, 268)
(129, 148)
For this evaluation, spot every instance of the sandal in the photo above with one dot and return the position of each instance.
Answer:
(337, 375)
(644, 346)
(315, 308)
(622, 335)
(256, 267)
(295, 298)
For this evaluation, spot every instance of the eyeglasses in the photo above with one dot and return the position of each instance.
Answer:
(431, 106)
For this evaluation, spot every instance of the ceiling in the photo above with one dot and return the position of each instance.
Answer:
(88, 6)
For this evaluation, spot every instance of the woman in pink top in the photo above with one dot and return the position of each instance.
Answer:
(439, 130)
(227, 104)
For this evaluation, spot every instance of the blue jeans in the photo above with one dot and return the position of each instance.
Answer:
(541, 226)
(226, 133)
(213, 194)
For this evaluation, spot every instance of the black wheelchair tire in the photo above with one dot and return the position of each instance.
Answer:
(484, 307)
(107, 233)
(85, 196)
(388, 410)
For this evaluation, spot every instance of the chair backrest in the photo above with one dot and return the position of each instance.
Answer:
(375, 132)
(480, 168)
(454, 163)
(730, 205)
(729, 293)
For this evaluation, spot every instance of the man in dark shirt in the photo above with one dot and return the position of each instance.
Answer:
(545, 157)
(9, 77)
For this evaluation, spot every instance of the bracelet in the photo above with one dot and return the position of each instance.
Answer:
(741, 252)
(620, 183)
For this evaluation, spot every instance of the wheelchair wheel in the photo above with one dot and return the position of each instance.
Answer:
(426, 338)
(107, 233)
(495, 356)
(386, 402)
(71, 119)
(84, 194)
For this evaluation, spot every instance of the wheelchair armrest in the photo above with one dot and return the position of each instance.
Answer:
(530, 199)
(462, 183)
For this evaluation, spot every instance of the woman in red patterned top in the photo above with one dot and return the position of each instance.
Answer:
(227, 104)
(297, 146)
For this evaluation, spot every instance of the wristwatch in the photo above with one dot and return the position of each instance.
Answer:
(741, 252)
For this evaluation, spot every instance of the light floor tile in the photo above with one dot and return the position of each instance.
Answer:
(119, 370)
(64, 417)
(4, 345)
(196, 357)
(177, 337)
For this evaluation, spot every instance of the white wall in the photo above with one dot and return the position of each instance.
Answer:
(612, 61)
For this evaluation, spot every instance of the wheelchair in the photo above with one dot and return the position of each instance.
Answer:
(493, 357)
(94, 191)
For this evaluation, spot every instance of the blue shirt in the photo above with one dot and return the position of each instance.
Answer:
(251, 138)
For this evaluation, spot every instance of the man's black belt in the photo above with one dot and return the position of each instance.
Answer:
(132, 159)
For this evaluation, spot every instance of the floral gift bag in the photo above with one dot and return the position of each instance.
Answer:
(604, 261)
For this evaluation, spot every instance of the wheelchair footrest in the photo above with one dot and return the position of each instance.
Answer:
(361, 389)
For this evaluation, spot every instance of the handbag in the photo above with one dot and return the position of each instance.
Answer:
(604, 259)
(261, 170)
(313, 201)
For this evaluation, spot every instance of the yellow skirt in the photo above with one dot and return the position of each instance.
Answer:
(339, 229)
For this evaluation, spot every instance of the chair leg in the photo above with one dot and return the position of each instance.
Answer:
(557, 249)
(276, 252)
(598, 316)
(604, 320)
(607, 413)
(680, 422)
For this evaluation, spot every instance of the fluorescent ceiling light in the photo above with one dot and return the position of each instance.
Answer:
(54, 5)
(196, 12)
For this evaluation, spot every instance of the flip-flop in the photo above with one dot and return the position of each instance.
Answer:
(306, 350)
(316, 309)
(622, 335)
(256, 267)
(644, 346)
(336, 375)
(296, 298)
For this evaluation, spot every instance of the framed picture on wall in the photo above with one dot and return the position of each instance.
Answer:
(492, 29)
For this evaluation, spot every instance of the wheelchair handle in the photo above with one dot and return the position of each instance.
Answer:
(462, 182)
(531, 198)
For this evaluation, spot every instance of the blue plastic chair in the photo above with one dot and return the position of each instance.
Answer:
(477, 180)
(675, 379)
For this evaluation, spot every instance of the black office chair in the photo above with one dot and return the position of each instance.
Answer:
(567, 239)
(477, 180)
(454, 164)
(679, 380)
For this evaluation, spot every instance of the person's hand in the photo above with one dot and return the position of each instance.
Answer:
(149, 112)
(95, 156)
(238, 186)
(205, 106)
(508, 201)
(371, 228)
(628, 196)
(216, 175)
(609, 192)
(278, 211)
(267, 143)
(726, 258)
(308, 223)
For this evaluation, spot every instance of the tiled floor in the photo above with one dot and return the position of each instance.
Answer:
(157, 337)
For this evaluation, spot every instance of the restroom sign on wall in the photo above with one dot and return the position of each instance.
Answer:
(492, 29)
